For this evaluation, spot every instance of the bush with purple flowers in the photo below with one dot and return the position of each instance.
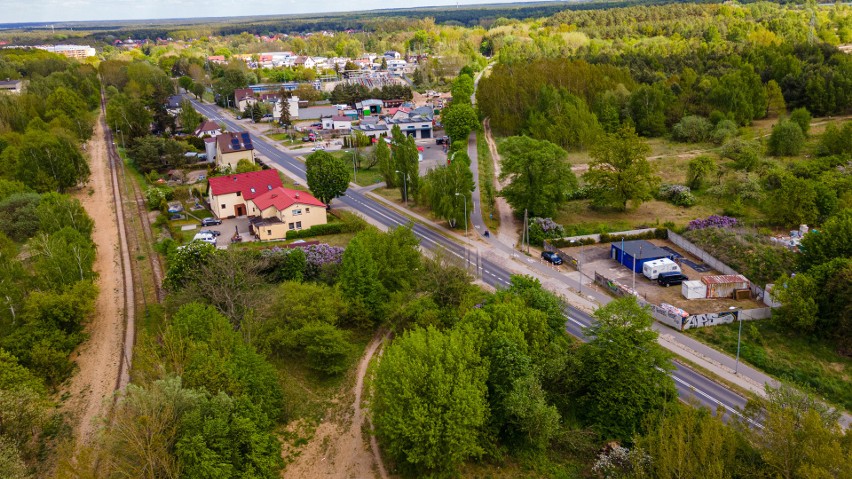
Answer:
(544, 228)
(322, 260)
(713, 221)
(678, 195)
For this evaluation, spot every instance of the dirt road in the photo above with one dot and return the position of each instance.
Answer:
(338, 448)
(99, 357)
(508, 232)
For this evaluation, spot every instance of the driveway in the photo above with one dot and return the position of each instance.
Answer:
(227, 229)
(433, 155)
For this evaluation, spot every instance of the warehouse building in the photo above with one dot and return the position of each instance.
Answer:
(634, 254)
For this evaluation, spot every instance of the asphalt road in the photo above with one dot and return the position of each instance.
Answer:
(689, 383)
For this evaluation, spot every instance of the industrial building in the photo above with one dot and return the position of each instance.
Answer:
(634, 254)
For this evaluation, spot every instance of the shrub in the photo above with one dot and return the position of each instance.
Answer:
(158, 197)
(802, 117)
(786, 139)
(746, 154)
(692, 129)
(724, 131)
(678, 195)
(544, 228)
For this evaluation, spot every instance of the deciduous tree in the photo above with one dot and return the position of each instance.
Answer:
(619, 171)
(540, 178)
(328, 176)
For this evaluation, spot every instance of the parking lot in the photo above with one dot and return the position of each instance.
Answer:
(596, 258)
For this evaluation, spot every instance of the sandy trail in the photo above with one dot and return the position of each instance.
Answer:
(508, 231)
(338, 448)
(99, 357)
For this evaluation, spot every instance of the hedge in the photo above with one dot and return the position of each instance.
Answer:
(659, 233)
(327, 229)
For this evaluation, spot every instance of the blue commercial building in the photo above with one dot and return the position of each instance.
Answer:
(634, 254)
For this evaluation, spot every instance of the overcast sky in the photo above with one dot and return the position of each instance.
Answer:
(14, 11)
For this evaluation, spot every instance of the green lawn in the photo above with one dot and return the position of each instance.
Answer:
(809, 363)
(364, 176)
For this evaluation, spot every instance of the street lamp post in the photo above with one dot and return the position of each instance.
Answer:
(404, 187)
(354, 167)
(465, 216)
(736, 314)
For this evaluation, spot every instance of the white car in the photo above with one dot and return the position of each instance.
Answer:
(205, 237)
(318, 148)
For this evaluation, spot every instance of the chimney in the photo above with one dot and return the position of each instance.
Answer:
(297, 195)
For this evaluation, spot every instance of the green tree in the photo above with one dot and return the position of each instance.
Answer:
(56, 211)
(448, 191)
(62, 258)
(619, 171)
(802, 117)
(50, 161)
(387, 168)
(185, 262)
(462, 89)
(459, 120)
(647, 107)
(786, 139)
(692, 129)
(326, 348)
(189, 118)
(700, 169)
(688, 441)
(406, 163)
(540, 178)
(793, 203)
(775, 105)
(19, 216)
(129, 115)
(359, 277)
(396, 255)
(328, 176)
(563, 119)
(623, 373)
(834, 240)
(430, 400)
(245, 166)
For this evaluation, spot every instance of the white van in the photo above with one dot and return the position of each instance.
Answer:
(206, 237)
(652, 269)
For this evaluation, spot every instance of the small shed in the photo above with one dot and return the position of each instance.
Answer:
(725, 285)
(693, 289)
(634, 254)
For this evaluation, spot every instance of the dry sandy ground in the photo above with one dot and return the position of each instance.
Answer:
(338, 448)
(508, 231)
(98, 358)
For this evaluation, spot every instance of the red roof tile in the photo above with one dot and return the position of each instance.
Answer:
(282, 198)
(251, 184)
(208, 125)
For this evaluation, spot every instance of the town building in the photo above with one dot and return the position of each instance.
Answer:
(233, 147)
(229, 196)
(281, 210)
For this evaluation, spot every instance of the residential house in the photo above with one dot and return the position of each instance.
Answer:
(233, 147)
(399, 113)
(327, 122)
(217, 59)
(11, 86)
(173, 103)
(231, 195)
(282, 210)
(243, 98)
(397, 67)
(210, 149)
(208, 128)
(392, 55)
(292, 107)
(341, 123)
(305, 62)
(415, 125)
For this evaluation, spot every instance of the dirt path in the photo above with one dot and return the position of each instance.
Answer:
(338, 448)
(508, 231)
(99, 358)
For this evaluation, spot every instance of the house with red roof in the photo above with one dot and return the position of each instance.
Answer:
(282, 210)
(243, 98)
(231, 195)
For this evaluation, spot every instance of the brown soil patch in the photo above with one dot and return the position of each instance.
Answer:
(99, 358)
(338, 448)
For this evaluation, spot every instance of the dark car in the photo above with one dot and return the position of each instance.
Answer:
(211, 222)
(551, 257)
(211, 232)
(669, 279)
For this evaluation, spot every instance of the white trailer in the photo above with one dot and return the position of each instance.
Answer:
(652, 269)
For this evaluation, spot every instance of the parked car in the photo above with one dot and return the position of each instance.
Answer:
(315, 125)
(669, 279)
(317, 148)
(205, 237)
(211, 222)
(551, 257)
(211, 232)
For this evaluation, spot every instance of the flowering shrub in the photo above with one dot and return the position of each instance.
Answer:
(320, 258)
(713, 221)
(544, 228)
(622, 462)
(679, 195)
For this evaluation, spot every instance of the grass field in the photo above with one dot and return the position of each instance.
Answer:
(811, 364)
(486, 176)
